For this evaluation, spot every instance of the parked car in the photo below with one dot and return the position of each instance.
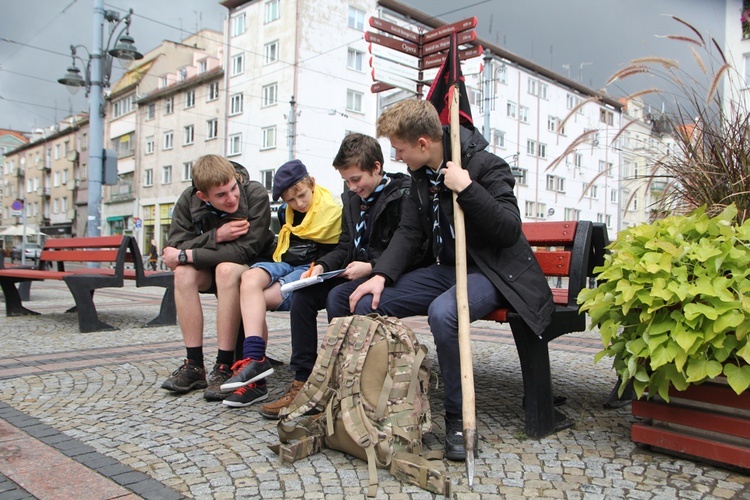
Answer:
(32, 252)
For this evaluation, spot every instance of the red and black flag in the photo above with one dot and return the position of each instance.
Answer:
(441, 91)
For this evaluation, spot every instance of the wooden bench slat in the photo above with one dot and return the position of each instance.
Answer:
(554, 263)
(550, 233)
(84, 242)
(80, 255)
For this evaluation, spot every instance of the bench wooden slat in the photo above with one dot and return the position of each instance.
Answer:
(550, 233)
(554, 263)
(80, 255)
(84, 242)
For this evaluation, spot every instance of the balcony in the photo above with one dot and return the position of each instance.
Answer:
(46, 191)
(658, 186)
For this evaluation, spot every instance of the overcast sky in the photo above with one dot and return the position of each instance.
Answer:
(582, 39)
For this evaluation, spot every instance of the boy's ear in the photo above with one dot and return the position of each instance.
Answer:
(424, 142)
(202, 196)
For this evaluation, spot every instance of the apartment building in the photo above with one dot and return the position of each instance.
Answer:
(9, 140)
(297, 82)
(45, 174)
(164, 113)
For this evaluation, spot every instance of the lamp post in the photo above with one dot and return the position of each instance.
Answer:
(98, 71)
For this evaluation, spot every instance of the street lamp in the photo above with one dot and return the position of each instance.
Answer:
(98, 71)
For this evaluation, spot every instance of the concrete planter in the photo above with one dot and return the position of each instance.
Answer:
(708, 421)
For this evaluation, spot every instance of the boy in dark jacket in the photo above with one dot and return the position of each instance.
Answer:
(502, 270)
(223, 217)
(372, 210)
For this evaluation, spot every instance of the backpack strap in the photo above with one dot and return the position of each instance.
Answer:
(299, 439)
(316, 388)
(427, 474)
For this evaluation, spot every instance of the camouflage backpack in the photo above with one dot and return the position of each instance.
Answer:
(367, 396)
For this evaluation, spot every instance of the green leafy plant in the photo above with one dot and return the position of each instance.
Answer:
(673, 303)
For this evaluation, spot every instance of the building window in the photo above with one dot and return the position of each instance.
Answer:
(123, 106)
(190, 98)
(555, 183)
(272, 11)
(354, 59)
(356, 19)
(606, 166)
(57, 151)
(551, 123)
(498, 138)
(213, 91)
(354, 101)
(613, 195)
(271, 52)
(606, 117)
(523, 114)
(238, 24)
(266, 178)
(202, 67)
(65, 177)
(187, 171)
(163, 82)
(151, 111)
(168, 105)
(511, 109)
(269, 138)
(235, 104)
(235, 144)
(188, 135)
(166, 174)
(534, 148)
(168, 140)
(238, 64)
(182, 75)
(502, 74)
(572, 214)
(150, 145)
(212, 129)
(123, 145)
(148, 177)
(591, 191)
(270, 93)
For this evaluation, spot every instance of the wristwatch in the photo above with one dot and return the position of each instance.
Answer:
(182, 257)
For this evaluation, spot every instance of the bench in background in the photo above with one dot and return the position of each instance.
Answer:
(82, 282)
(567, 251)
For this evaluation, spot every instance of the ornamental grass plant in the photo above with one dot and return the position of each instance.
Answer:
(673, 302)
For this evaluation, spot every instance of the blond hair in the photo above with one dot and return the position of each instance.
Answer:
(212, 171)
(298, 186)
(409, 120)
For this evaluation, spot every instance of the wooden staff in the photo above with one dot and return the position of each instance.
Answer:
(462, 301)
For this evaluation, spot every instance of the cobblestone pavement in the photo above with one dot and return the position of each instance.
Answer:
(91, 404)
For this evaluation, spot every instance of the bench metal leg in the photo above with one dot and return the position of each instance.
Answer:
(24, 290)
(614, 400)
(542, 419)
(168, 311)
(88, 319)
(13, 305)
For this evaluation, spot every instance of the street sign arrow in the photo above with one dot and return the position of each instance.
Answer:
(468, 67)
(380, 87)
(379, 65)
(394, 29)
(394, 55)
(393, 43)
(435, 60)
(395, 80)
(442, 31)
(445, 43)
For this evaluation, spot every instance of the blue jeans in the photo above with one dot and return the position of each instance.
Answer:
(283, 273)
(429, 291)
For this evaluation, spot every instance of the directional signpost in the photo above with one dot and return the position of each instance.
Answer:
(405, 59)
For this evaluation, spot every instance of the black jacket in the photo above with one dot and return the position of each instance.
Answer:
(384, 219)
(494, 239)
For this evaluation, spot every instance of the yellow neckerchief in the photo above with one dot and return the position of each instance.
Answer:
(322, 223)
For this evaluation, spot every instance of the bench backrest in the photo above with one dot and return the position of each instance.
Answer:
(99, 249)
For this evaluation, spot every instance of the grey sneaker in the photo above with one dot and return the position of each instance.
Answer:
(247, 395)
(186, 378)
(247, 371)
(220, 374)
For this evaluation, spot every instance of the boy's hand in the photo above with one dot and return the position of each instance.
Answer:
(170, 257)
(316, 270)
(356, 270)
(232, 230)
(374, 286)
(455, 178)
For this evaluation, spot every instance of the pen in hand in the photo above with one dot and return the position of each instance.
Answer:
(309, 271)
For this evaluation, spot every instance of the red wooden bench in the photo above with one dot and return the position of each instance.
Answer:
(567, 251)
(114, 250)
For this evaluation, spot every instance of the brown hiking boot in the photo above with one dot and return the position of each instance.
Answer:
(271, 410)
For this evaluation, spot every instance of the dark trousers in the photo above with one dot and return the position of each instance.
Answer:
(430, 291)
(303, 313)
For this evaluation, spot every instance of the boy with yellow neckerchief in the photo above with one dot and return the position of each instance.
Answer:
(311, 228)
